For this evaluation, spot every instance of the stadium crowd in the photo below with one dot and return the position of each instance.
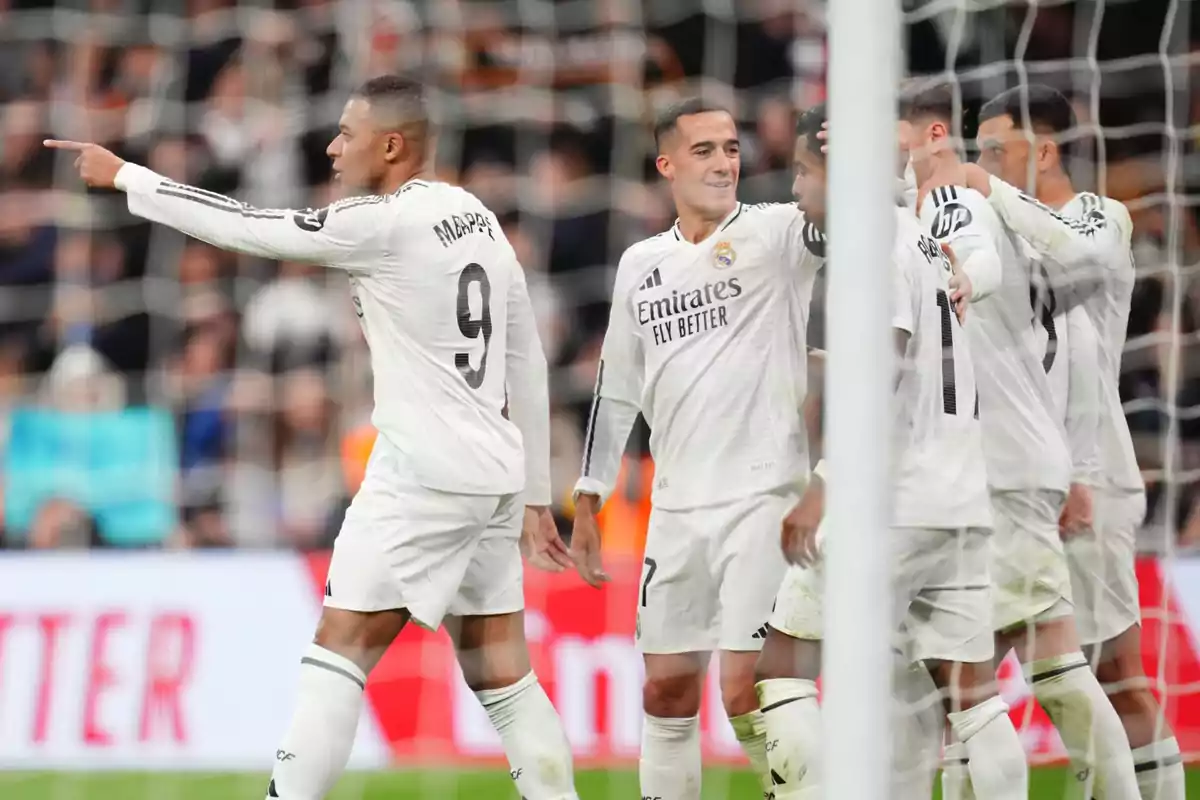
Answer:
(155, 391)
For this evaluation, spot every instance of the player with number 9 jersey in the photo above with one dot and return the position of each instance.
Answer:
(443, 305)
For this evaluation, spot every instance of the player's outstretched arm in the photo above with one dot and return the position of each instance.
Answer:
(346, 234)
(1073, 245)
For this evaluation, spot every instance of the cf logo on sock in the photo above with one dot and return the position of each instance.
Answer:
(284, 755)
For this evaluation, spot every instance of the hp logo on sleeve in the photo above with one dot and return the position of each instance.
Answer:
(950, 218)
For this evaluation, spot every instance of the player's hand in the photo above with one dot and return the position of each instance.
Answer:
(798, 537)
(541, 545)
(97, 166)
(823, 137)
(585, 542)
(1076, 515)
(961, 289)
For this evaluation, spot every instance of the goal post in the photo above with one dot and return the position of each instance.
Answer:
(863, 77)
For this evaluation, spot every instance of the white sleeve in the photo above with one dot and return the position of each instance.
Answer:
(616, 401)
(528, 390)
(1083, 397)
(347, 234)
(803, 242)
(1072, 245)
(961, 218)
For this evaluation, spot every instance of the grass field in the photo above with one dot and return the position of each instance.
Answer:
(441, 784)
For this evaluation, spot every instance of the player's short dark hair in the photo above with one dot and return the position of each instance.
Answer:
(809, 124)
(1045, 109)
(668, 119)
(936, 100)
(400, 100)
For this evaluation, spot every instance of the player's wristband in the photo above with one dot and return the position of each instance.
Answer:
(819, 470)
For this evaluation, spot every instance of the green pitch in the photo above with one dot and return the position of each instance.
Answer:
(1047, 784)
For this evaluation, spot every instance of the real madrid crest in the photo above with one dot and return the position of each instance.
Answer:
(724, 255)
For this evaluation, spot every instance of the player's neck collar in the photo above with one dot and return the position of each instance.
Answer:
(725, 223)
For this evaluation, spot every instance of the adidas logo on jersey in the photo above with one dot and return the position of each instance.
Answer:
(655, 279)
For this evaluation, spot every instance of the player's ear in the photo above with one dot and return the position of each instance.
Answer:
(393, 146)
(1047, 153)
(665, 167)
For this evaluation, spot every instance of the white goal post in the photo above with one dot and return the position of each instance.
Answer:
(864, 48)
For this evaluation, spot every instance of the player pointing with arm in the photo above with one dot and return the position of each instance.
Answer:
(1029, 470)
(1086, 238)
(433, 533)
(707, 340)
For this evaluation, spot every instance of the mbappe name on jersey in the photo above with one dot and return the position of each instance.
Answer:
(688, 312)
(456, 226)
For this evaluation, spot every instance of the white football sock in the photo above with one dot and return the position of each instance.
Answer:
(1160, 770)
(669, 768)
(793, 717)
(751, 732)
(956, 773)
(317, 744)
(1088, 724)
(917, 724)
(995, 756)
(538, 754)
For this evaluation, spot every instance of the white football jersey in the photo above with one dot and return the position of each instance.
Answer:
(1087, 245)
(1066, 342)
(443, 306)
(1023, 442)
(707, 340)
(939, 473)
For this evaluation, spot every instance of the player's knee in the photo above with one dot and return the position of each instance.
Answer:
(362, 637)
(491, 650)
(738, 694)
(672, 696)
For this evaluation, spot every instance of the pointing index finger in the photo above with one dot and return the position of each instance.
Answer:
(64, 144)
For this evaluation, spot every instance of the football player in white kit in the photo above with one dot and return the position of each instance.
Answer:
(707, 340)
(433, 534)
(1029, 469)
(1089, 237)
(939, 539)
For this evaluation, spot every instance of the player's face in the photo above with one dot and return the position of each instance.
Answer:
(702, 161)
(1004, 151)
(358, 151)
(809, 185)
(927, 139)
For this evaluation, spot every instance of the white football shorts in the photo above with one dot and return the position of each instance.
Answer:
(1029, 565)
(710, 575)
(1102, 566)
(434, 553)
(941, 602)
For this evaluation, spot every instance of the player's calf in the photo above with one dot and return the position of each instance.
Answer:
(740, 698)
(1157, 761)
(1074, 700)
(669, 767)
(333, 674)
(979, 720)
(494, 658)
(787, 672)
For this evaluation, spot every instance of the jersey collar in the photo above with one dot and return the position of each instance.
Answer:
(725, 223)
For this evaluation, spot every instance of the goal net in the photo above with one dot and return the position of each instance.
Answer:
(184, 427)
